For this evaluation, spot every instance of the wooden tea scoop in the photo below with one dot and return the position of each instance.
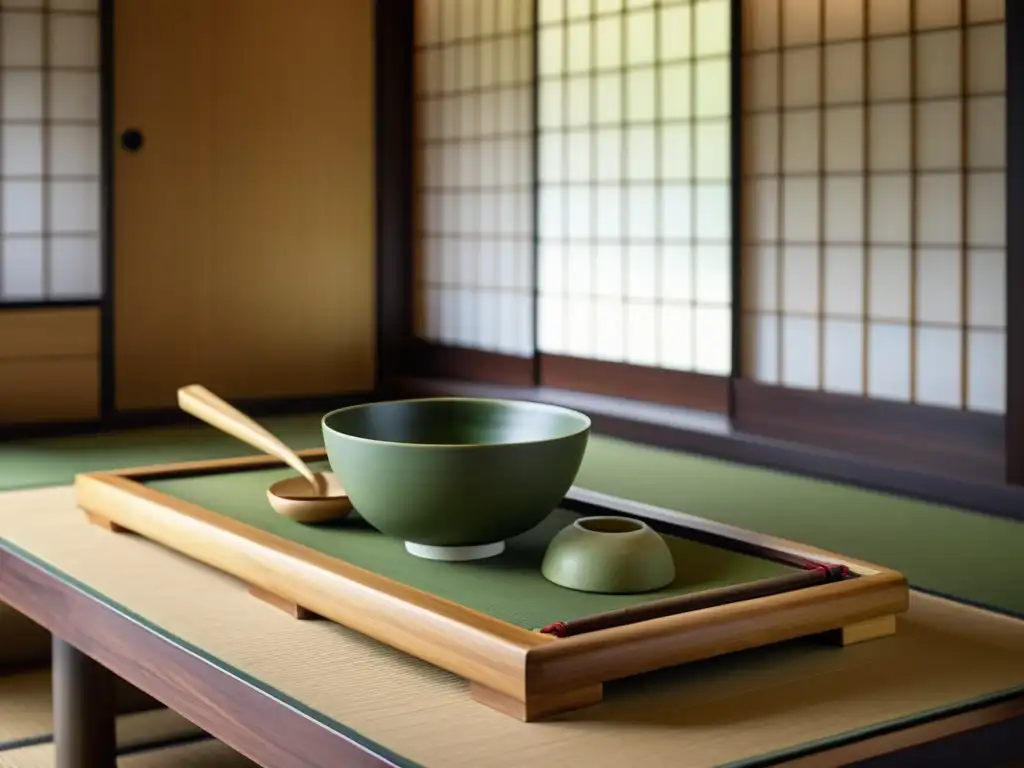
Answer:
(312, 498)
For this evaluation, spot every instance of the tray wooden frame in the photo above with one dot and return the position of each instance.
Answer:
(525, 674)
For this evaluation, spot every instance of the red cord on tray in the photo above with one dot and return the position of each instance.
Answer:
(558, 629)
(830, 570)
(811, 573)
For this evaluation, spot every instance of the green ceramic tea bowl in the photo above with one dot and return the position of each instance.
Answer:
(455, 477)
(613, 555)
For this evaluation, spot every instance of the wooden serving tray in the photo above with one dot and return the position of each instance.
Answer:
(520, 671)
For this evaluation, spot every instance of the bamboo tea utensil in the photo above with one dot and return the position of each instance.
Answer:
(313, 497)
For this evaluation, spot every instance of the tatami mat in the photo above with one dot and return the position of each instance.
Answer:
(914, 537)
(56, 460)
(26, 714)
(24, 646)
(699, 715)
(25, 706)
(939, 548)
(202, 754)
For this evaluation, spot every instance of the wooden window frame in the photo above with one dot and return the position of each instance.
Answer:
(956, 457)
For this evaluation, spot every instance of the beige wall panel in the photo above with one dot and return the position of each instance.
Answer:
(49, 365)
(49, 333)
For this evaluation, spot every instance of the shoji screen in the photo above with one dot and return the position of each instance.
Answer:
(50, 150)
(874, 178)
(474, 122)
(633, 175)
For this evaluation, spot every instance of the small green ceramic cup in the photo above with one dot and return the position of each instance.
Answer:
(455, 477)
(613, 555)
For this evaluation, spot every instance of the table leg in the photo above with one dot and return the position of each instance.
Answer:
(84, 716)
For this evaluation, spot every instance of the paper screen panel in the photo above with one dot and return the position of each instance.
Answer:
(474, 128)
(50, 151)
(634, 176)
(874, 198)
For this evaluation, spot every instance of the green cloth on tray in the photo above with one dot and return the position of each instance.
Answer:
(509, 587)
(940, 548)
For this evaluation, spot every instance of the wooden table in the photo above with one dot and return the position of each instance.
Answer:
(111, 603)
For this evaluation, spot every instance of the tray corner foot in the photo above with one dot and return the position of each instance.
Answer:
(105, 523)
(869, 629)
(537, 706)
(293, 609)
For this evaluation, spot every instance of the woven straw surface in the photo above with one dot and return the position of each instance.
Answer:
(712, 713)
(202, 754)
(26, 712)
(25, 706)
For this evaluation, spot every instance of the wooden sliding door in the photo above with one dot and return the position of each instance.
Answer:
(243, 234)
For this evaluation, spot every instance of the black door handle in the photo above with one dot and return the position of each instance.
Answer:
(132, 140)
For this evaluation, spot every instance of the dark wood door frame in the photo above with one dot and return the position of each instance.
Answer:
(1014, 243)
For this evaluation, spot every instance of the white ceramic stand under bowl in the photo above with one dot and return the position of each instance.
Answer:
(455, 554)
